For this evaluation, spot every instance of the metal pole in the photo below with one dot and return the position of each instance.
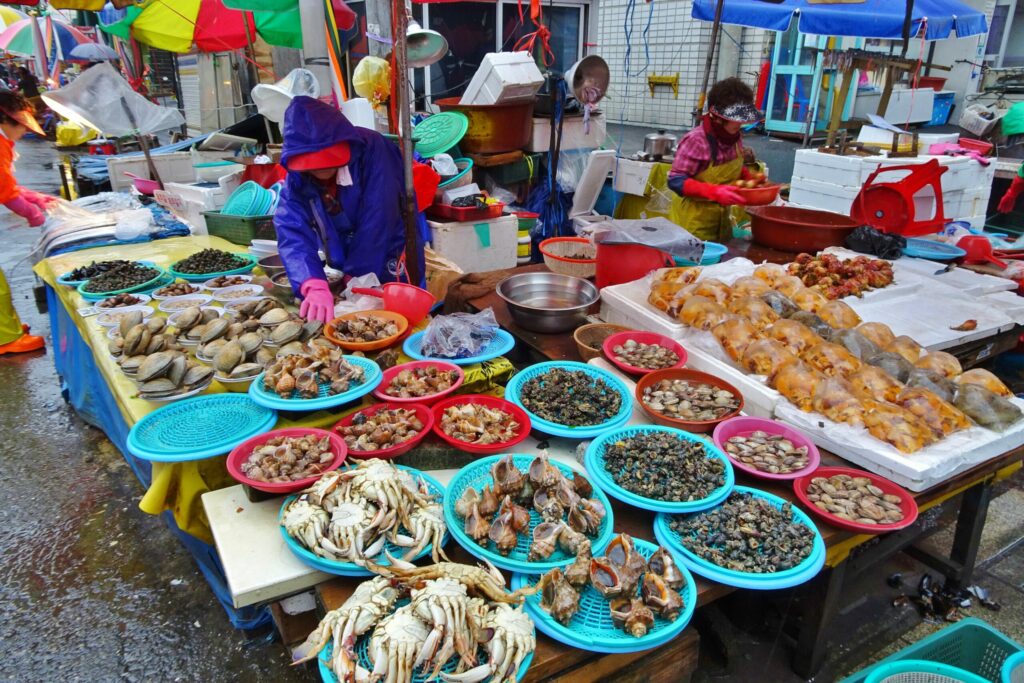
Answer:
(143, 143)
(707, 63)
(404, 124)
(908, 20)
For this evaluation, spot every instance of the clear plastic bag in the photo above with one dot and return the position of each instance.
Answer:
(659, 233)
(459, 335)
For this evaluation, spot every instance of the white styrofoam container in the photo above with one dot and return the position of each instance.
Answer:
(630, 176)
(504, 77)
(174, 167)
(187, 210)
(210, 196)
(880, 136)
(972, 121)
(906, 105)
(464, 243)
(839, 198)
(574, 136)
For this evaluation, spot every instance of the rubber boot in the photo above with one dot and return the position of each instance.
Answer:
(13, 333)
(23, 344)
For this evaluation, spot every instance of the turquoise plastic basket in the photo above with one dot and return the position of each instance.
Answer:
(350, 568)
(594, 462)
(515, 386)
(788, 578)
(200, 427)
(477, 475)
(713, 253)
(502, 343)
(270, 399)
(591, 628)
(970, 644)
(248, 199)
(202, 277)
(362, 652)
(149, 284)
(922, 671)
(1013, 668)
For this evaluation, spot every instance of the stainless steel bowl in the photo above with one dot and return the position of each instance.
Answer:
(272, 265)
(547, 302)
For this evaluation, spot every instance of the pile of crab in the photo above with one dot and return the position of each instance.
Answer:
(348, 515)
(427, 619)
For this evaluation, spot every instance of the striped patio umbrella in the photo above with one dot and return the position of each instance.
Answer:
(60, 38)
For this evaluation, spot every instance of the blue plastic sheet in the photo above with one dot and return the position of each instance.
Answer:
(94, 167)
(867, 19)
(87, 392)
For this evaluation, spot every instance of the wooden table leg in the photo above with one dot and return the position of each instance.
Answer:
(970, 521)
(838, 102)
(821, 605)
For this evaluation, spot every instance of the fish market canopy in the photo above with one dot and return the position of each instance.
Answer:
(868, 19)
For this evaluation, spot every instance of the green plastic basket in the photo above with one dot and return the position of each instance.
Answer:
(971, 645)
(240, 230)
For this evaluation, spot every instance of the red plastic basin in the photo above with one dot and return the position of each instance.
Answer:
(422, 412)
(242, 452)
(641, 338)
(788, 228)
(907, 503)
(491, 402)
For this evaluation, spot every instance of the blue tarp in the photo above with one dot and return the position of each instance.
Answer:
(87, 392)
(868, 19)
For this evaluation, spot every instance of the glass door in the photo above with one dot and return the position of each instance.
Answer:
(800, 89)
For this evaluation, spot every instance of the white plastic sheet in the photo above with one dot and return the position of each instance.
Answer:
(102, 99)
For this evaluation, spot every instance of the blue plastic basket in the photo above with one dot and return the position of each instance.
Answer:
(969, 644)
(930, 249)
(594, 462)
(713, 253)
(271, 400)
(363, 653)
(200, 427)
(350, 568)
(515, 386)
(477, 475)
(248, 199)
(502, 343)
(788, 578)
(922, 671)
(202, 277)
(591, 628)
(1013, 669)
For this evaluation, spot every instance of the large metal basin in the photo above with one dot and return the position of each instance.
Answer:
(546, 302)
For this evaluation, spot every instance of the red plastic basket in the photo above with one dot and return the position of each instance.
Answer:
(491, 402)
(390, 374)
(424, 413)
(982, 147)
(908, 505)
(738, 426)
(643, 338)
(465, 213)
(241, 452)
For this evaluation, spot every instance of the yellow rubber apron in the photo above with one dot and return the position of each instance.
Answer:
(10, 323)
(703, 218)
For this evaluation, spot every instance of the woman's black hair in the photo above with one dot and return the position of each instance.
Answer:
(11, 101)
(730, 91)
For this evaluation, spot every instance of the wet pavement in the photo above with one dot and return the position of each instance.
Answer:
(91, 588)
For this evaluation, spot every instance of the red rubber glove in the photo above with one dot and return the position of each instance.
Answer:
(317, 301)
(1010, 198)
(27, 210)
(43, 201)
(722, 194)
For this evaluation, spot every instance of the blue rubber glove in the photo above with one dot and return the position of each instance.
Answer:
(317, 301)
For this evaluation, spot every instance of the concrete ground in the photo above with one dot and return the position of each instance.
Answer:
(93, 589)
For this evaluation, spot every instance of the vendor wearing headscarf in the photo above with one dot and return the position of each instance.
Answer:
(343, 196)
(16, 119)
(710, 157)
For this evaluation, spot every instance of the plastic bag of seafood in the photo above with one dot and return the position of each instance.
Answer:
(459, 335)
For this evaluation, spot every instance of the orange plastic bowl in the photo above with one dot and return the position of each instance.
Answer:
(397, 318)
(242, 452)
(491, 402)
(695, 426)
(758, 196)
(425, 415)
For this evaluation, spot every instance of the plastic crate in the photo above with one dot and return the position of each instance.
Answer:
(941, 109)
(240, 229)
(465, 213)
(970, 644)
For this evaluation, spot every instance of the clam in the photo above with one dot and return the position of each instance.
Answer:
(264, 356)
(229, 356)
(176, 370)
(310, 329)
(250, 342)
(156, 324)
(114, 346)
(196, 375)
(286, 332)
(155, 365)
(276, 316)
(265, 305)
(214, 329)
(209, 314)
(156, 343)
(235, 329)
(196, 333)
(132, 338)
(290, 349)
(131, 364)
(188, 318)
(157, 388)
(210, 349)
(129, 321)
(246, 370)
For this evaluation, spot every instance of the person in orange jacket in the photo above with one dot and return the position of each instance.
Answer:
(16, 119)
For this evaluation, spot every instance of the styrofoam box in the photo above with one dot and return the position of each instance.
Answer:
(880, 136)
(209, 195)
(189, 211)
(464, 244)
(905, 105)
(630, 176)
(573, 134)
(853, 172)
(174, 167)
(839, 198)
(504, 77)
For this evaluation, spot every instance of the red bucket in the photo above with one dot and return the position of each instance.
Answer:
(618, 263)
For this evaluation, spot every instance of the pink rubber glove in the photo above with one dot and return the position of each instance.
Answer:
(722, 194)
(317, 300)
(27, 210)
(41, 200)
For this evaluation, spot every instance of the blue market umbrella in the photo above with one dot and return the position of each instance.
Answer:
(93, 52)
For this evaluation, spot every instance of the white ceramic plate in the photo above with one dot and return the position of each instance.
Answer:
(243, 279)
(180, 303)
(112, 318)
(237, 292)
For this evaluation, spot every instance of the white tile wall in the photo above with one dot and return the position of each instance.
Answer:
(678, 43)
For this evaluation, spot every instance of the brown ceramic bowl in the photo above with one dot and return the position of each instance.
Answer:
(695, 426)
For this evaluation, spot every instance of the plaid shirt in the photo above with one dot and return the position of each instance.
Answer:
(695, 152)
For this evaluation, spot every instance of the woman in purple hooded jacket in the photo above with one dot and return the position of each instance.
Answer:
(344, 195)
